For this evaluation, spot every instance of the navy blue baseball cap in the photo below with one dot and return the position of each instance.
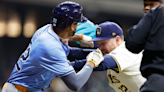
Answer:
(107, 30)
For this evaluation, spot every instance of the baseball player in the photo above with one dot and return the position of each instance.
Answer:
(122, 66)
(84, 33)
(148, 34)
(46, 55)
(148, 4)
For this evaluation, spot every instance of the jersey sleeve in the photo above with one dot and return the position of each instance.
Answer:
(78, 53)
(124, 58)
(137, 35)
(56, 61)
(108, 63)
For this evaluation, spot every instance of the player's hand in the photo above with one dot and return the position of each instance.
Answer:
(85, 42)
(89, 44)
(95, 57)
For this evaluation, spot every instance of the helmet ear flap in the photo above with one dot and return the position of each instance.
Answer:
(59, 21)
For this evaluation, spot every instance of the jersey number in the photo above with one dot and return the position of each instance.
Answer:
(23, 57)
(115, 80)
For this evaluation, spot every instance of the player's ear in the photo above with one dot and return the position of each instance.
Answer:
(118, 40)
(73, 26)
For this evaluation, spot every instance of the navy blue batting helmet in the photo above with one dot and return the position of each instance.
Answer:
(66, 13)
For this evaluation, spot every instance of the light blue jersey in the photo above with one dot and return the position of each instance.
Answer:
(44, 59)
(87, 28)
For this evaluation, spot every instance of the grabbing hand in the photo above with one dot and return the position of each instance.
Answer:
(95, 57)
(85, 42)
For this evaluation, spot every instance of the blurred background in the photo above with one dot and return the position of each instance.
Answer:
(19, 19)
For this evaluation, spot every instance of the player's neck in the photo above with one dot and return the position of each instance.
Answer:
(121, 41)
(62, 33)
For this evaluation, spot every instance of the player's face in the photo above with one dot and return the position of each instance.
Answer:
(106, 46)
(150, 4)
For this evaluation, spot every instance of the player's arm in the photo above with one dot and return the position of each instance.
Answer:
(108, 63)
(76, 37)
(83, 39)
(58, 63)
(137, 35)
(76, 80)
(78, 53)
(78, 64)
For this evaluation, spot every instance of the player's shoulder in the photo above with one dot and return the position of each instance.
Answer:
(46, 38)
(39, 32)
(122, 51)
(158, 7)
(156, 10)
(49, 42)
(120, 48)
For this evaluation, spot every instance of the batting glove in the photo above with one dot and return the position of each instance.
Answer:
(95, 57)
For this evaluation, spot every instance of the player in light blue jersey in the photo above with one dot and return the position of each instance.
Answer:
(84, 33)
(46, 55)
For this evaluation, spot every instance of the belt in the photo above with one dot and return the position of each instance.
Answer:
(18, 87)
(21, 88)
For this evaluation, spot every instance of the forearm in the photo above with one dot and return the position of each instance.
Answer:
(78, 53)
(80, 78)
(75, 81)
(76, 37)
(108, 63)
(78, 64)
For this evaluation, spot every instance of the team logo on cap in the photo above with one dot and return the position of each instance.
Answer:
(98, 30)
(113, 34)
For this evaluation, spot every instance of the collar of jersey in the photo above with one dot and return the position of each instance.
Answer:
(51, 32)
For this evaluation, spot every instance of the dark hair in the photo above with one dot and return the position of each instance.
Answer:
(155, 0)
